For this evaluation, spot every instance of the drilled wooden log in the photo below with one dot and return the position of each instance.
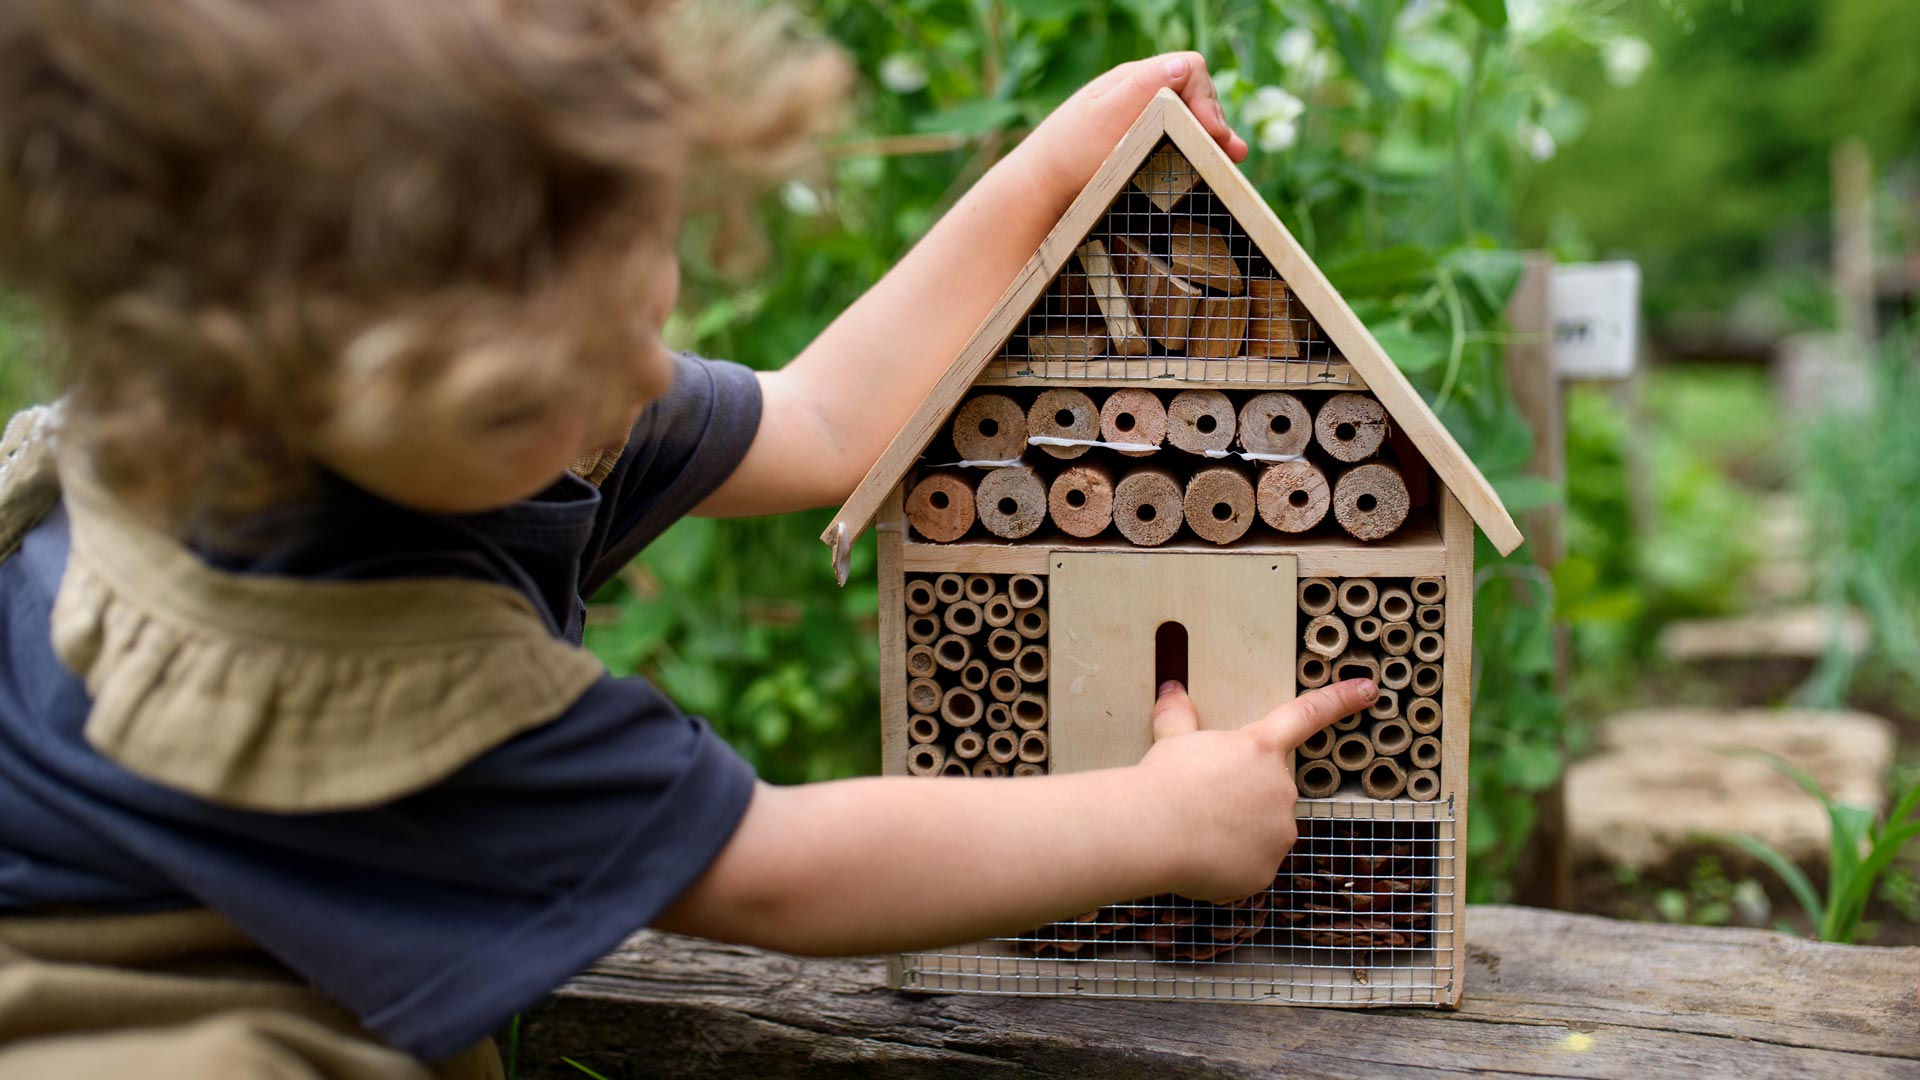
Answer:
(1312, 672)
(1275, 423)
(1423, 785)
(1369, 501)
(1201, 420)
(1219, 504)
(1317, 596)
(1317, 778)
(1294, 496)
(1134, 416)
(1358, 596)
(1063, 414)
(940, 507)
(1081, 499)
(1147, 506)
(1326, 636)
(1011, 502)
(961, 707)
(990, 427)
(1384, 779)
(1276, 325)
(1350, 427)
(1162, 299)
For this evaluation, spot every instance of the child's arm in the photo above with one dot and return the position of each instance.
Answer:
(883, 864)
(830, 413)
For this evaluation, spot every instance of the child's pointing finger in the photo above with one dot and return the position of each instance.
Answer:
(1291, 723)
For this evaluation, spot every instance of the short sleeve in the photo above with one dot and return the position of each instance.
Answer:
(684, 446)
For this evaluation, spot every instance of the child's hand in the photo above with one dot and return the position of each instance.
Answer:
(1229, 794)
(1070, 144)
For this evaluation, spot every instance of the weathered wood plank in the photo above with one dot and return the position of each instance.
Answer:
(1548, 994)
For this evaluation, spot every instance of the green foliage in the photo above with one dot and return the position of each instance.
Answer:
(23, 378)
(1862, 848)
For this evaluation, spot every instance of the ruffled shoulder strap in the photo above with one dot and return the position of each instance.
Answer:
(290, 695)
(29, 485)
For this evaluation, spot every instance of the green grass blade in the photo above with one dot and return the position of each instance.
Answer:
(1785, 768)
(583, 1068)
(1796, 879)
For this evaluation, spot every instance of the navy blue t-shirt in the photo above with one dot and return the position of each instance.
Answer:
(437, 916)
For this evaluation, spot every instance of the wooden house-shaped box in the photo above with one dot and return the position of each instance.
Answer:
(1172, 451)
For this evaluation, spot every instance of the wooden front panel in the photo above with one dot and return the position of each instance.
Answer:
(1240, 616)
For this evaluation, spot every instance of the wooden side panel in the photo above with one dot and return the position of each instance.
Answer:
(888, 538)
(1456, 528)
(1241, 621)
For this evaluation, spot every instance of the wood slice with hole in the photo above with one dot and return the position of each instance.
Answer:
(1163, 300)
(990, 427)
(1081, 500)
(1294, 496)
(1134, 416)
(940, 507)
(1166, 177)
(1369, 501)
(1201, 420)
(1066, 339)
(1147, 506)
(1200, 253)
(1011, 502)
(1218, 328)
(1275, 423)
(1063, 414)
(1273, 330)
(1110, 293)
(1351, 427)
(1219, 504)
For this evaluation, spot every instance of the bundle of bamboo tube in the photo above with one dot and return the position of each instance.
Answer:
(976, 675)
(1391, 630)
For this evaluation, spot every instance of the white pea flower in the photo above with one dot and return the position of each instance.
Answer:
(1304, 63)
(1626, 58)
(1274, 116)
(1536, 140)
(1294, 46)
(903, 73)
(801, 198)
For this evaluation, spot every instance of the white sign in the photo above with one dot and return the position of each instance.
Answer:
(1596, 320)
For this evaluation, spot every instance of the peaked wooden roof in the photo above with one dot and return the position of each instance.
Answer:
(1166, 117)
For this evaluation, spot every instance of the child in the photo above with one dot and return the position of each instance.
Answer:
(293, 590)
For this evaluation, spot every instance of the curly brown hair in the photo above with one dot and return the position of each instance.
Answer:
(246, 219)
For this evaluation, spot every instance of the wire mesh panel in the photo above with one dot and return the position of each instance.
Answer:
(1362, 913)
(1169, 285)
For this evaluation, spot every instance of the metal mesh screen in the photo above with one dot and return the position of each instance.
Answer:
(1361, 913)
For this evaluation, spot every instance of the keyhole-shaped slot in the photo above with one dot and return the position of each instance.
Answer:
(1169, 654)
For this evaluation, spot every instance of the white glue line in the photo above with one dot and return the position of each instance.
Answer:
(1123, 447)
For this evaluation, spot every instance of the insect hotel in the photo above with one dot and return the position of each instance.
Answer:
(1172, 451)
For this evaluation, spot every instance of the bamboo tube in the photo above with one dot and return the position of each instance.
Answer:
(960, 707)
(950, 588)
(1353, 752)
(997, 611)
(923, 696)
(1011, 502)
(1166, 301)
(990, 427)
(1429, 646)
(1423, 785)
(1386, 706)
(1030, 768)
(1423, 715)
(955, 767)
(952, 652)
(923, 729)
(979, 588)
(1198, 252)
(988, 769)
(1358, 596)
(969, 744)
(940, 507)
(1147, 506)
(1396, 638)
(1031, 623)
(1327, 636)
(1350, 427)
(1312, 672)
(1384, 779)
(1369, 501)
(1218, 329)
(1391, 736)
(925, 760)
(1425, 753)
(1033, 747)
(1200, 420)
(1429, 590)
(1002, 746)
(1219, 504)
(1275, 423)
(921, 663)
(1063, 414)
(923, 629)
(1294, 496)
(1134, 416)
(1426, 680)
(1003, 644)
(1396, 672)
(920, 598)
(963, 617)
(1430, 617)
(1366, 628)
(1031, 664)
(1081, 499)
(974, 675)
(1356, 663)
(1349, 723)
(1025, 590)
(999, 716)
(1029, 711)
(1396, 605)
(1003, 685)
(1316, 596)
(1317, 779)
(1317, 745)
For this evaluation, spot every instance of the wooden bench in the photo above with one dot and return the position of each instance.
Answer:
(1548, 994)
